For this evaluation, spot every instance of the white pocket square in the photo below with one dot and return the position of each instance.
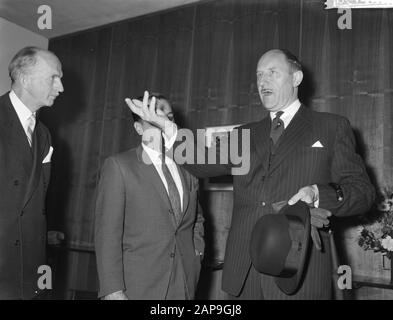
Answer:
(317, 144)
(48, 156)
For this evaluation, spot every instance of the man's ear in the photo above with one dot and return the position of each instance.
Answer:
(24, 80)
(138, 127)
(297, 78)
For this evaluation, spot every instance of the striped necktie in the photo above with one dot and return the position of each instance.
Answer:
(277, 127)
(30, 128)
(173, 192)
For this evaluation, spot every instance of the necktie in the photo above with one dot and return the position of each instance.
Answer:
(30, 128)
(173, 192)
(277, 127)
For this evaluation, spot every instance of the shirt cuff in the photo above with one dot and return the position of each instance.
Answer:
(169, 135)
(316, 202)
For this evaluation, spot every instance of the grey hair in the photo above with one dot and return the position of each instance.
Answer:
(24, 60)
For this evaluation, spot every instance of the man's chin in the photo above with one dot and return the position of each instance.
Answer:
(50, 103)
(268, 106)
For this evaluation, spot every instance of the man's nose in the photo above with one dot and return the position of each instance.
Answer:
(59, 86)
(262, 82)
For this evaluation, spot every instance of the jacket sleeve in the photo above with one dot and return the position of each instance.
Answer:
(349, 172)
(109, 218)
(224, 158)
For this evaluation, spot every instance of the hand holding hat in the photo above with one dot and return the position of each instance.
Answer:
(318, 219)
(319, 216)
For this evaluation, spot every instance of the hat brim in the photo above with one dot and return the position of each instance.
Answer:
(291, 284)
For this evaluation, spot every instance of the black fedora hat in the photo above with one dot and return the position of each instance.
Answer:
(279, 244)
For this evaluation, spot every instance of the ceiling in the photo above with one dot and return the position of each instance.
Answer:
(69, 16)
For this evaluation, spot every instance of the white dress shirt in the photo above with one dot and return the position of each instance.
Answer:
(21, 110)
(155, 159)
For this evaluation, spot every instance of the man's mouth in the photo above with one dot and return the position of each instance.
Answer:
(266, 92)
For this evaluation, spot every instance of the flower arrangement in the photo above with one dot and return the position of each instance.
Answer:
(377, 233)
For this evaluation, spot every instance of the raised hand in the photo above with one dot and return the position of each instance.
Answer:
(147, 111)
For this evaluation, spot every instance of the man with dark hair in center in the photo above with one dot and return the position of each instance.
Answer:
(149, 226)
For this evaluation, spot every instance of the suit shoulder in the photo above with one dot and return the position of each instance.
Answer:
(4, 98)
(327, 116)
(193, 179)
(45, 129)
(121, 157)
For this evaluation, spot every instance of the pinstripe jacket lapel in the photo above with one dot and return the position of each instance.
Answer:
(38, 149)
(261, 139)
(293, 136)
(14, 136)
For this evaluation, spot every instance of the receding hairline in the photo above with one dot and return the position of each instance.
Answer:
(291, 60)
(47, 56)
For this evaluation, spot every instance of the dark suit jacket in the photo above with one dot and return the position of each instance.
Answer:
(136, 237)
(23, 184)
(296, 164)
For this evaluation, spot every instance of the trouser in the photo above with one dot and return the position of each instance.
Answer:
(252, 288)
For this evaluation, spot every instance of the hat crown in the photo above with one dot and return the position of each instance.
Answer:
(279, 243)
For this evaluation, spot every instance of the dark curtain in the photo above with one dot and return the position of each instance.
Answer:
(203, 58)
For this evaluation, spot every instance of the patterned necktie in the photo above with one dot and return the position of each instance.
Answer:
(30, 128)
(277, 127)
(173, 192)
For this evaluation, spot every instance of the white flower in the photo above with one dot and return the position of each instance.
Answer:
(387, 243)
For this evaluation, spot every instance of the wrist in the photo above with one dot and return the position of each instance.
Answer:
(169, 130)
(316, 195)
(339, 192)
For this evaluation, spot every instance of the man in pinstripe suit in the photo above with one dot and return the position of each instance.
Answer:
(295, 155)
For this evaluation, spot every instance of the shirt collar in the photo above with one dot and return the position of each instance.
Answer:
(22, 111)
(288, 113)
(155, 156)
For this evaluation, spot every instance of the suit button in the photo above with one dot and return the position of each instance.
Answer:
(22, 213)
(16, 182)
(170, 211)
(17, 242)
(262, 203)
(172, 255)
